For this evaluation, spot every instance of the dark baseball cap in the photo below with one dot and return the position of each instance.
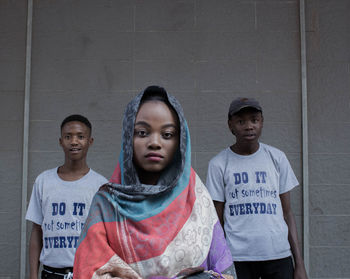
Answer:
(241, 103)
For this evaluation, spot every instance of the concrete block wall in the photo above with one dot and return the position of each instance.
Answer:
(12, 62)
(328, 41)
(91, 57)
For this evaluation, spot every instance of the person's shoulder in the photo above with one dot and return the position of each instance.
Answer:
(220, 155)
(98, 176)
(272, 150)
(47, 173)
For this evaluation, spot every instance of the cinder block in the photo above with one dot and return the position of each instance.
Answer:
(330, 230)
(280, 106)
(9, 260)
(213, 105)
(92, 104)
(279, 46)
(103, 15)
(83, 75)
(228, 16)
(277, 16)
(278, 76)
(44, 136)
(329, 168)
(55, 18)
(322, 142)
(104, 162)
(201, 163)
(177, 75)
(329, 199)
(41, 161)
(107, 136)
(212, 136)
(10, 199)
(102, 45)
(166, 15)
(11, 135)
(214, 46)
(11, 231)
(12, 75)
(189, 103)
(322, 79)
(12, 46)
(164, 46)
(240, 76)
(13, 16)
(285, 136)
(312, 15)
(329, 262)
(11, 166)
(333, 33)
(11, 105)
(51, 46)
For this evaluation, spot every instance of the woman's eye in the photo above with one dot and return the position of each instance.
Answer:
(168, 135)
(141, 133)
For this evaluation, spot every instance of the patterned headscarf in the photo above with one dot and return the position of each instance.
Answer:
(130, 187)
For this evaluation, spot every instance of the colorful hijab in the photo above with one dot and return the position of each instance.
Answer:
(152, 231)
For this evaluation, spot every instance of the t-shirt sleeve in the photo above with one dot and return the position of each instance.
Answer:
(34, 212)
(215, 182)
(288, 179)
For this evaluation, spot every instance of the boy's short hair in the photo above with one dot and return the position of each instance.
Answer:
(241, 103)
(79, 118)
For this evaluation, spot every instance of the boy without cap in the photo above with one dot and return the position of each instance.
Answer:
(250, 183)
(60, 203)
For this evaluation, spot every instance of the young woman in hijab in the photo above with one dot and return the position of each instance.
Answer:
(155, 219)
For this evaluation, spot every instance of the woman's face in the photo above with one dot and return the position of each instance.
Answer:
(156, 139)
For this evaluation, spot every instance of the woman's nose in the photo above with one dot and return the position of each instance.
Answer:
(154, 141)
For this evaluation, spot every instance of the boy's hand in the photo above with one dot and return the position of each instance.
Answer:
(300, 272)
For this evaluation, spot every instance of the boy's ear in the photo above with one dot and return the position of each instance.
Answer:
(229, 125)
(91, 141)
(60, 141)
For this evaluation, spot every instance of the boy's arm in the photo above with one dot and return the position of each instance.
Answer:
(35, 246)
(219, 206)
(299, 272)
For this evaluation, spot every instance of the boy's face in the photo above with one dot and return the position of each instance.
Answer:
(156, 139)
(246, 125)
(75, 140)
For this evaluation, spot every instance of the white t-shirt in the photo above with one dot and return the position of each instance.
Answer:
(250, 187)
(61, 207)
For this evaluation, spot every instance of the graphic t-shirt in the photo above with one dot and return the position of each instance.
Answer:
(61, 207)
(250, 187)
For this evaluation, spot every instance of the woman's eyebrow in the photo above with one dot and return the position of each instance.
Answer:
(143, 123)
(170, 125)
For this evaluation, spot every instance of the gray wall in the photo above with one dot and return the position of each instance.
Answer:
(12, 69)
(91, 57)
(329, 107)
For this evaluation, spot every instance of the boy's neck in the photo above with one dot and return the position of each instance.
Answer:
(245, 149)
(71, 171)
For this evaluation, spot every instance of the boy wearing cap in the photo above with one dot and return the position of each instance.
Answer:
(250, 184)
